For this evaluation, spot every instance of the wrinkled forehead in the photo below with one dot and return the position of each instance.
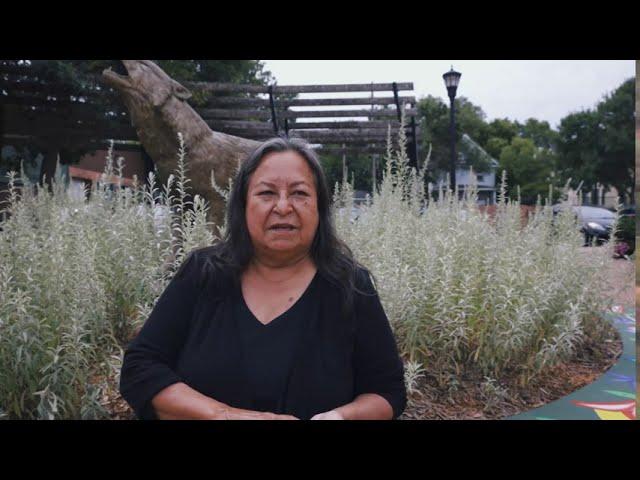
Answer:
(283, 169)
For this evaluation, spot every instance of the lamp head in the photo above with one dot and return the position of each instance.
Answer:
(451, 81)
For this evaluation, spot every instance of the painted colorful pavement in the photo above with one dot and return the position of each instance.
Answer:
(612, 396)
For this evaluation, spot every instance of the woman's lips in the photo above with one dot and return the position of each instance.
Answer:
(282, 227)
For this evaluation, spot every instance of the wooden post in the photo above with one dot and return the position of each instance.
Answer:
(344, 162)
(374, 177)
(274, 118)
(414, 144)
(147, 161)
(396, 100)
(48, 168)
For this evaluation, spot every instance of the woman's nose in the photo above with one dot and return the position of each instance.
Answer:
(283, 206)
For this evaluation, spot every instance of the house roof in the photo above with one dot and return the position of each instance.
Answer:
(470, 143)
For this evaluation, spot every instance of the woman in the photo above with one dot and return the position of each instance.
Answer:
(276, 321)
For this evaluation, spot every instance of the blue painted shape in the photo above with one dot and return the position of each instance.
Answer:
(615, 386)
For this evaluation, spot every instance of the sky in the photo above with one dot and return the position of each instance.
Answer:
(516, 89)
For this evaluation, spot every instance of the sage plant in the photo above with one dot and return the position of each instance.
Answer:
(471, 294)
(78, 275)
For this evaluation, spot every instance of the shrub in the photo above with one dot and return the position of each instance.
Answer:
(626, 236)
(465, 293)
(77, 277)
(469, 295)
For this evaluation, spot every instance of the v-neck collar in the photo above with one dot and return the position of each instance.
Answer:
(284, 314)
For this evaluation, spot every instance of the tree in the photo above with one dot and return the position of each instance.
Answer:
(81, 77)
(616, 114)
(597, 145)
(79, 73)
(540, 132)
(359, 169)
(229, 71)
(470, 119)
(495, 145)
(579, 148)
(76, 72)
(226, 71)
(528, 167)
(499, 134)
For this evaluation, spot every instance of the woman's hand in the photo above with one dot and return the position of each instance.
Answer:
(367, 406)
(241, 414)
(330, 415)
(181, 402)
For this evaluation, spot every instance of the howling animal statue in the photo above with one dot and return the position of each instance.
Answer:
(159, 111)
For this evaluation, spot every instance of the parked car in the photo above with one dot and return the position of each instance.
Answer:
(628, 211)
(595, 222)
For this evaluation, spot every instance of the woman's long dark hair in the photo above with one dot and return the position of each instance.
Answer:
(227, 259)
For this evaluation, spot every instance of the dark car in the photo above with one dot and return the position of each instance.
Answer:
(595, 222)
(628, 211)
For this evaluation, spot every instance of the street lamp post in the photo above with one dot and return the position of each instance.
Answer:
(451, 81)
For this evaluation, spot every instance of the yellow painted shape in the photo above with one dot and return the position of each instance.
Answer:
(608, 415)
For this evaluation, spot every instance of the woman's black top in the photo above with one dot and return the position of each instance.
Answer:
(309, 360)
(268, 350)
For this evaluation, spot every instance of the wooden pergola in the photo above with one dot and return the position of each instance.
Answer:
(356, 124)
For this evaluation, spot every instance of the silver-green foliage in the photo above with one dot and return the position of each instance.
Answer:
(462, 292)
(465, 293)
(77, 277)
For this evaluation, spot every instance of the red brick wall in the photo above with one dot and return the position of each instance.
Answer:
(524, 211)
(133, 163)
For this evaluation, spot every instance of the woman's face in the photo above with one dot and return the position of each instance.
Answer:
(282, 206)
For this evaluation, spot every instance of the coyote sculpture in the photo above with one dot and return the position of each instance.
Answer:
(158, 112)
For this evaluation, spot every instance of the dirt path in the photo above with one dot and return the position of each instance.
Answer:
(619, 279)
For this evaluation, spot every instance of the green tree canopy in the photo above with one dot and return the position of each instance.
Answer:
(597, 145)
(528, 167)
(470, 119)
(579, 148)
(230, 71)
(495, 145)
(540, 132)
(499, 134)
(617, 116)
(79, 77)
(76, 72)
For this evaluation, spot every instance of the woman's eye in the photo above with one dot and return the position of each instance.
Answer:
(266, 192)
(300, 192)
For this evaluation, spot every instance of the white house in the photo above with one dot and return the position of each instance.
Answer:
(485, 181)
